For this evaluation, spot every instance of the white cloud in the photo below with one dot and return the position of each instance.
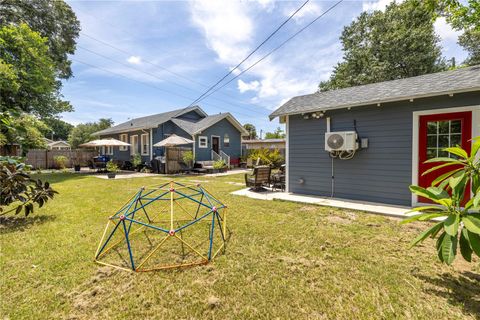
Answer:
(226, 26)
(248, 86)
(309, 10)
(445, 31)
(135, 60)
(376, 5)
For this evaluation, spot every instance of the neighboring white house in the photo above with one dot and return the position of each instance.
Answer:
(58, 145)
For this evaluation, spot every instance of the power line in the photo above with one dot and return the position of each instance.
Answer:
(157, 77)
(272, 51)
(250, 54)
(158, 66)
(150, 85)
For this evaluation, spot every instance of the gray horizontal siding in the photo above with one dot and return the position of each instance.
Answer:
(381, 173)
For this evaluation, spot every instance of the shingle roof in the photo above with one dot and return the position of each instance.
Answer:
(146, 122)
(454, 81)
(197, 127)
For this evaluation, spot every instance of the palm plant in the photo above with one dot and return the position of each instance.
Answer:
(458, 224)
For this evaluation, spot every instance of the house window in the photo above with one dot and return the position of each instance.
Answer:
(226, 140)
(202, 142)
(443, 134)
(123, 138)
(134, 145)
(145, 144)
(107, 150)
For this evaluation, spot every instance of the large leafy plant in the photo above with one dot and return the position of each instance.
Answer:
(19, 190)
(457, 225)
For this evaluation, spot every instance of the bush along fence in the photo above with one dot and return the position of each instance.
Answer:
(45, 159)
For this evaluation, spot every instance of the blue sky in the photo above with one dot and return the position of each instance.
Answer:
(137, 58)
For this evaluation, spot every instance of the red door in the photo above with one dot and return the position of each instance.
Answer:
(438, 131)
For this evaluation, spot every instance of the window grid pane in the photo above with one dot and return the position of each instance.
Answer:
(441, 135)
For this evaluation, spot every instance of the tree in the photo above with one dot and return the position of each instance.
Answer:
(27, 74)
(462, 17)
(83, 132)
(252, 131)
(25, 129)
(380, 46)
(53, 19)
(277, 134)
(57, 129)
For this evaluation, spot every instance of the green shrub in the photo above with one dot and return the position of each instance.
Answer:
(18, 188)
(461, 225)
(61, 161)
(112, 166)
(272, 158)
(136, 160)
(188, 158)
(219, 164)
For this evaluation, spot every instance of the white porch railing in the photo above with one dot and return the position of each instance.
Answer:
(225, 158)
(216, 156)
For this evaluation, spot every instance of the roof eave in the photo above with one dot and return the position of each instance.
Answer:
(313, 109)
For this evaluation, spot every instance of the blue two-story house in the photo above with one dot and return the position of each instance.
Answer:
(215, 136)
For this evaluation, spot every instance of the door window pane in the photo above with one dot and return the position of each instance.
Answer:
(441, 135)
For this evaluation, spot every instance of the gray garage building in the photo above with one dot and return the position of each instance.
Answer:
(396, 125)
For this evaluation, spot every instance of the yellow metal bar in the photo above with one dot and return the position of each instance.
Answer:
(181, 207)
(103, 237)
(113, 266)
(221, 247)
(116, 243)
(152, 252)
(173, 266)
(191, 248)
(171, 206)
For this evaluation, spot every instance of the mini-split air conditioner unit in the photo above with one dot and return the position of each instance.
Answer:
(341, 141)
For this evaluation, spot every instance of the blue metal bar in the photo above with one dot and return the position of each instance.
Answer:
(201, 203)
(206, 196)
(146, 225)
(211, 238)
(128, 244)
(188, 196)
(129, 206)
(198, 208)
(220, 226)
(194, 221)
(144, 211)
(144, 205)
(108, 239)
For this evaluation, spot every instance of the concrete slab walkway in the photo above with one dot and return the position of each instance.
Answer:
(379, 208)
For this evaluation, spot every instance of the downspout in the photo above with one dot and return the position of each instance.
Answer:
(194, 142)
(151, 144)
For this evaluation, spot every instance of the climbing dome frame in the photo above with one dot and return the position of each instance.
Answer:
(168, 226)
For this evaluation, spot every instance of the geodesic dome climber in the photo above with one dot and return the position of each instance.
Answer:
(167, 226)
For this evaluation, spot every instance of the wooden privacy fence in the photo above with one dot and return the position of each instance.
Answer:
(174, 156)
(45, 159)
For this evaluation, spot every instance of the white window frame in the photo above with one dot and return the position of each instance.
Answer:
(226, 144)
(416, 118)
(123, 138)
(107, 150)
(203, 144)
(134, 146)
(144, 152)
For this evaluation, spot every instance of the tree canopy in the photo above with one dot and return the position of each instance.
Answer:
(379, 46)
(57, 129)
(52, 19)
(28, 73)
(251, 130)
(277, 134)
(84, 132)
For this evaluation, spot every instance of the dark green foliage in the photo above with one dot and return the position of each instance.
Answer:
(461, 224)
(57, 129)
(52, 19)
(277, 134)
(251, 130)
(19, 190)
(381, 46)
(83, 132)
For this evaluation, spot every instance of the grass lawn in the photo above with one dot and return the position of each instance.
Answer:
(284, 260)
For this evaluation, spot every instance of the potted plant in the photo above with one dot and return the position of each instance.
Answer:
(137, 161)
(188, 158)
(76, 164)
(219, 166)
(112, 169)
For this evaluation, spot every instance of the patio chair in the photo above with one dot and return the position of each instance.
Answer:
(259, 178)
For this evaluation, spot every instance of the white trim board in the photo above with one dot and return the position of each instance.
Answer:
(415, 127)
(287, 152)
